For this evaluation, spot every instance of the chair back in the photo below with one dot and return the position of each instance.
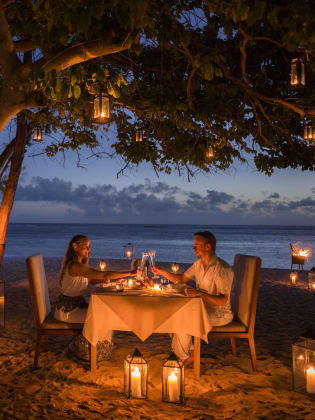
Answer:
(38, 288)
(244, 293)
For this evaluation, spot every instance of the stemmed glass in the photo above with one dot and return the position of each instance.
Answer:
(144, 260)
(152, 256)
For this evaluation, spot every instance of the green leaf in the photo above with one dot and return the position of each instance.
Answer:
(76, 91)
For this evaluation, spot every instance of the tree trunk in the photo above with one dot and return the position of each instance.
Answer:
(22, 135)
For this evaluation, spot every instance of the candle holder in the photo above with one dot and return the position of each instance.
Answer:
(136, 376)
(303, 366)
(175, 268)
(293, 278)
(173, 380)
(128, 250)
(102, 265)
(120, 287)
(311, 279)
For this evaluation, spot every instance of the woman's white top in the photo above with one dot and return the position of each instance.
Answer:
(73, 286)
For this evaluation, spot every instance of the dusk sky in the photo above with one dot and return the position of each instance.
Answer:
(51, 191)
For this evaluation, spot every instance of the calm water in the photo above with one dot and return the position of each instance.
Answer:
(172, 242)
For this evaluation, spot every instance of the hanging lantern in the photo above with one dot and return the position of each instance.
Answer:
(303, 365)
(139, 137)
(101, 108)
(173, 380)
(297, 72)
(175, 268)
(38, 134)
(102, 265)
(309, 133)
(136, 376)
(209, 153)
(128, 250)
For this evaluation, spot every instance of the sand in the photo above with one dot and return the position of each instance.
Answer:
(64, 388)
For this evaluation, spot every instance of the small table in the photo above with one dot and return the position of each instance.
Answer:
(145, 312)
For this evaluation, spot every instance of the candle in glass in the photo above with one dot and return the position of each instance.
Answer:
(173, 387)
(130, 282)
(293, 277)
(102, 265)
(310, 380)
(135, 383)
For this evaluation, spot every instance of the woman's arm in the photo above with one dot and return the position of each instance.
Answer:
(95, 276)
(174, 278)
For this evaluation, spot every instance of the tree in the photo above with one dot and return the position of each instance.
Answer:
(189, 74)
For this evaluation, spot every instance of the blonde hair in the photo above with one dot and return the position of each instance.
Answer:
(70, 254)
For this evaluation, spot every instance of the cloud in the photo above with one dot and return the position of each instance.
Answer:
(154, 203)
(274, 195)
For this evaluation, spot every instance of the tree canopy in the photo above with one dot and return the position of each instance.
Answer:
(189, 74)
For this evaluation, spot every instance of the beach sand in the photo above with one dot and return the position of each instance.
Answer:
(64, 388)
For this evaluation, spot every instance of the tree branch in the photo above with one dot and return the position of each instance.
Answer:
(25, 45)
(7, 152)
(83, 52)
(260, 38)
(8, 58)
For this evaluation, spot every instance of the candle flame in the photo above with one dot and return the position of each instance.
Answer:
(311, 369)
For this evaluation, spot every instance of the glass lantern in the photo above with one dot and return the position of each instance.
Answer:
(136, 376)
(175, 268)
(128, 250)
(311, 279)
(139, 136)
(293, 278)
(102, 265)
(297, 72)
(303, 365)
(309, 133)
(173, 380)
(101, 108)
(209, 153)
(38, 134)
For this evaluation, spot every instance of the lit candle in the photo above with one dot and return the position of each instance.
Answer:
(128, 254)
(293, 277)
(313, 285)
(310, 380)
(175, 268)
(135, 385)
(119, 287)
(102, 265)
(156, 288)
(173, 387)
(130, 282)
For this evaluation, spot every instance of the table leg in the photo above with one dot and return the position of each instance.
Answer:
(197, 357)
(93, 365)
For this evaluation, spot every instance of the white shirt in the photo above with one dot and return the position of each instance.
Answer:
(216, 279)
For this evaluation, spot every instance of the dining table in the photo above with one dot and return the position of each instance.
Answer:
(145, 311)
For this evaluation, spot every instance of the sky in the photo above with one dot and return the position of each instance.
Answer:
(58, 191)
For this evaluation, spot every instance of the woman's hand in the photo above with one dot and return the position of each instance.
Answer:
(192, 292)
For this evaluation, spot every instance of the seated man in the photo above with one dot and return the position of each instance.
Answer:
(213, 278)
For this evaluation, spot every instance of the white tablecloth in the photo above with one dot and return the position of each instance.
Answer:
(144, 315)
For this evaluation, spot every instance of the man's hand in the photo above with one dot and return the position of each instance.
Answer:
(192, 292)
(157, 270)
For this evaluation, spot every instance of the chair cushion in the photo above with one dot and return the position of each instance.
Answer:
(234, 326)
(51, 323)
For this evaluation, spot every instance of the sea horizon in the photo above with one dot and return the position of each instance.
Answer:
(172, 242)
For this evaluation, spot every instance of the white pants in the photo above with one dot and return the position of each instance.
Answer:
(182, 343)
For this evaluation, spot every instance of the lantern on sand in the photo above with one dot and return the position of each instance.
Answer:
(136, 376)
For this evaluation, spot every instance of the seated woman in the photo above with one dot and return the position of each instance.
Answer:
(71, 306)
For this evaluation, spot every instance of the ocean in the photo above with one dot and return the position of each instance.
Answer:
(171, 242)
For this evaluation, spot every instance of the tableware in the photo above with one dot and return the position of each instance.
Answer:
(120, 287)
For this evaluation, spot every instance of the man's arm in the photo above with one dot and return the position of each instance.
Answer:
(174, 278)
(218, 300)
